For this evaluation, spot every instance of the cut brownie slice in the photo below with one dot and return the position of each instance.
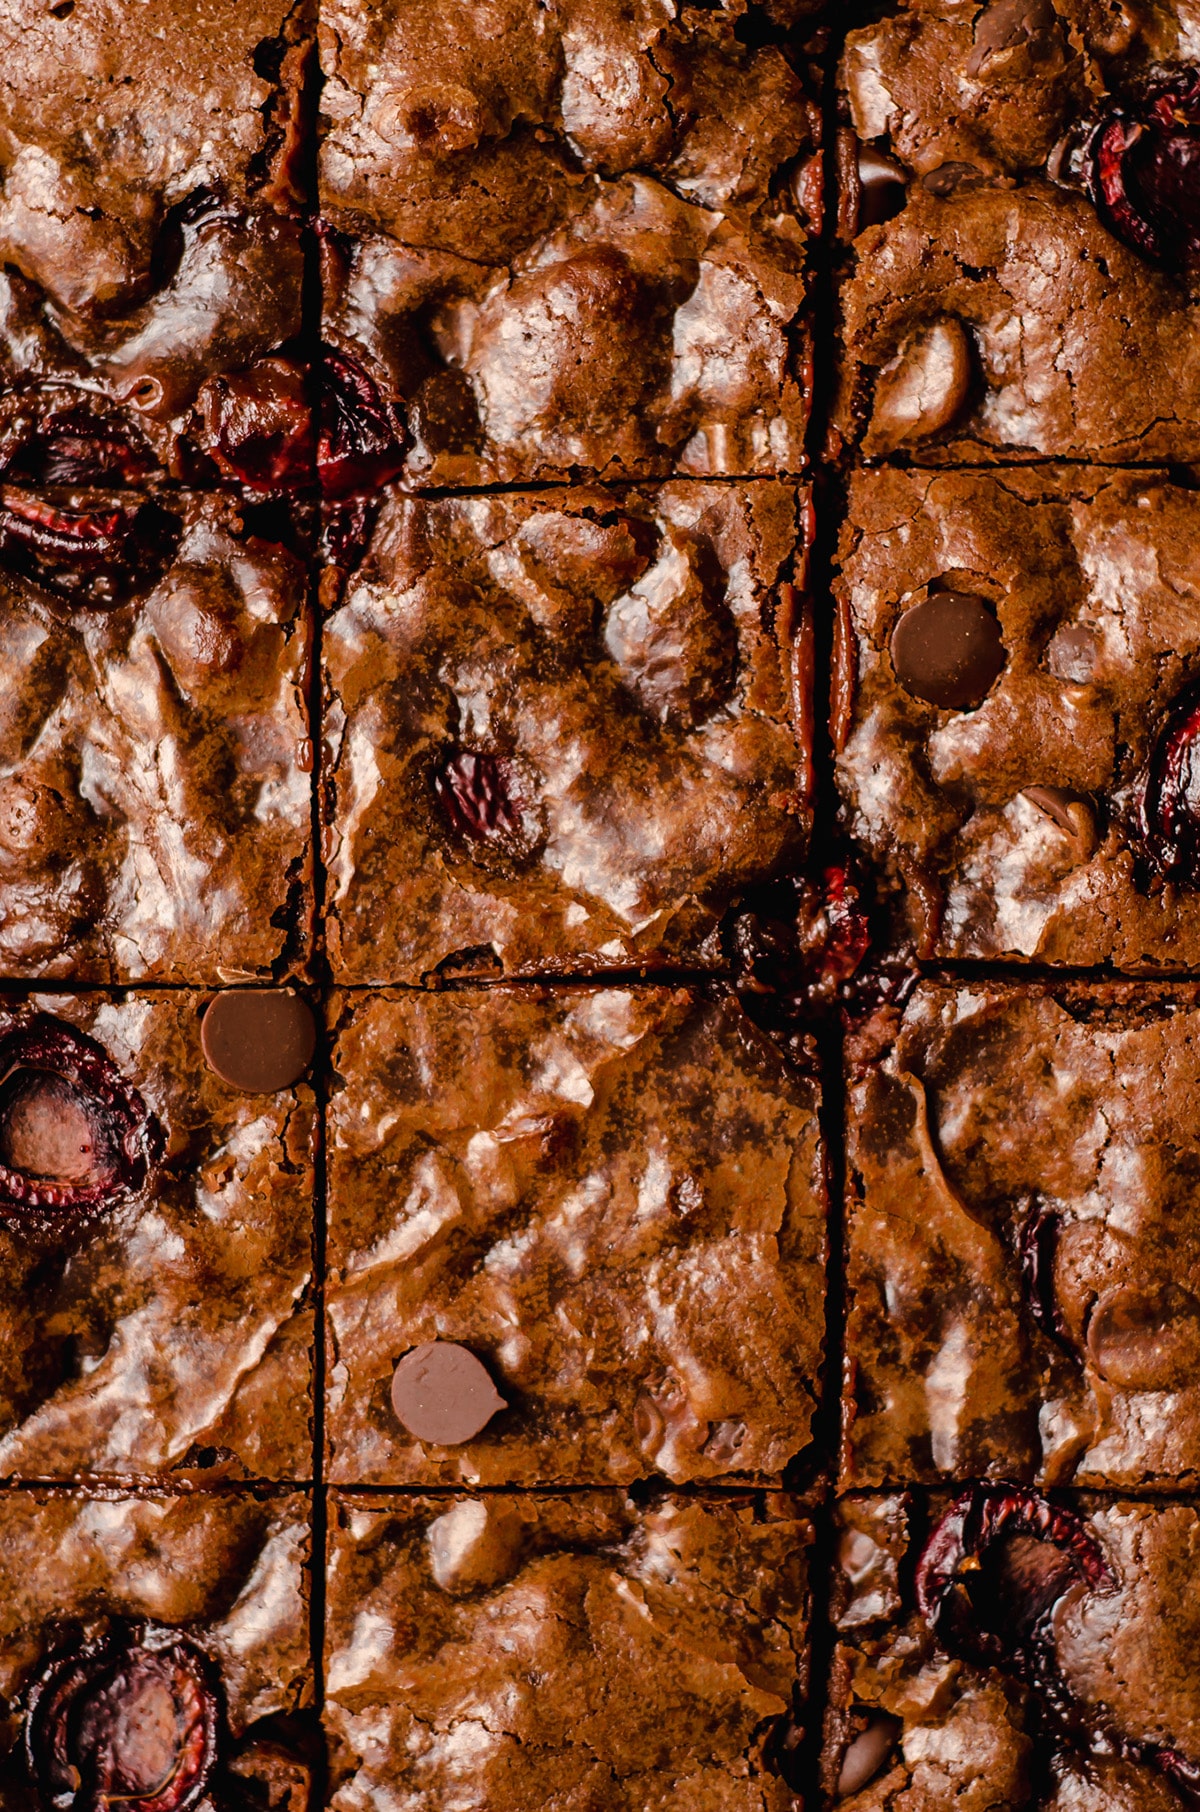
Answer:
(1001, 1650)
(1017, 709)
(155, 1241)
(566, 728)
(1023, 178)
(154, 1651)
(575, 1652)
(155, 762)
(1023, 1257)
(614, 1200)
(566, 236)
(150, 241)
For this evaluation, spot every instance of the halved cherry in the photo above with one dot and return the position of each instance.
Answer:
(133, 1719)
(1171, 799)
(482, 797)
(75, 1136)
(994, 1567)
(258, 425)
(92, 555)
(1140, 162)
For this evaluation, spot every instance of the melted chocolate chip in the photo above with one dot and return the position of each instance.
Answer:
(133, 1719)
(258, 1039)
(361, 434)
(1171, 797)
(950, 178)
(1008, 26)
(948, 650)
(1140, 163)
(75, 1137)
(882, 188)
(443, 1394)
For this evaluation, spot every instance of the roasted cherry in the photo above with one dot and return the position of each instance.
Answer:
(92, 555)
(258, 425)
(994, 1568)
(1140, 162)
(1171, 799)
(75, 1137)
(800, 943)
(482, 799)
(59, 440)
(360, 439)
(133, 1719)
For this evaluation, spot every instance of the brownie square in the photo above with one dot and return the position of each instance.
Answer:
(997, 1649)
(1017, 683)
(614, 1199)
(1023, 280)
(575, 1652)
(565, 729)
(1023, 1299)
(567, 237)
(155, 1240)
(150, 1641)
(155, 754)
(149, 235)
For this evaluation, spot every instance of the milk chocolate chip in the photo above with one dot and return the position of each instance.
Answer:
(443, 1394)
(1008, 26)
(948, 650)
(258, 1039)
(923, 388)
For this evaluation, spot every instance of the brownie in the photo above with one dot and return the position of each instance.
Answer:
(577, 1652)
(1021, 1270)
(1014, 711)
(566, 236)
(1023, 179)
(155, 1241)
(150, 238)
(155, 761)
(155, 1650)
(565, 729)
(614, 1199)
(997, 1649)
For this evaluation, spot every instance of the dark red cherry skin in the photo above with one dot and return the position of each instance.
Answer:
(90, 556)
(52, 441)
(800, 946)
(475, 791)
(968, 1538)
(127, 1140)
(133, 1719)
(1037, 1241)
(258, 425)
(1141, 166)
(1171, 798)
(360, 434)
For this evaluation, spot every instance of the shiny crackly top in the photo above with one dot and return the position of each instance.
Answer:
(649, 1655)
(615, 1199)
(599, 215)
(154, 793)
(165, 1330)
(1039, 162)
(1024, 1291)
(1020, 824)
(1088, 1702)
(559, 728)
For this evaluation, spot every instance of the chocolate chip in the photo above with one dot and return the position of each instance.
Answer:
(258, 1039)
(1012, 25)
(948, 650)
(443, 1394)
(1071, 812)
(921, 390)
(883, 188)
(950, 177)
